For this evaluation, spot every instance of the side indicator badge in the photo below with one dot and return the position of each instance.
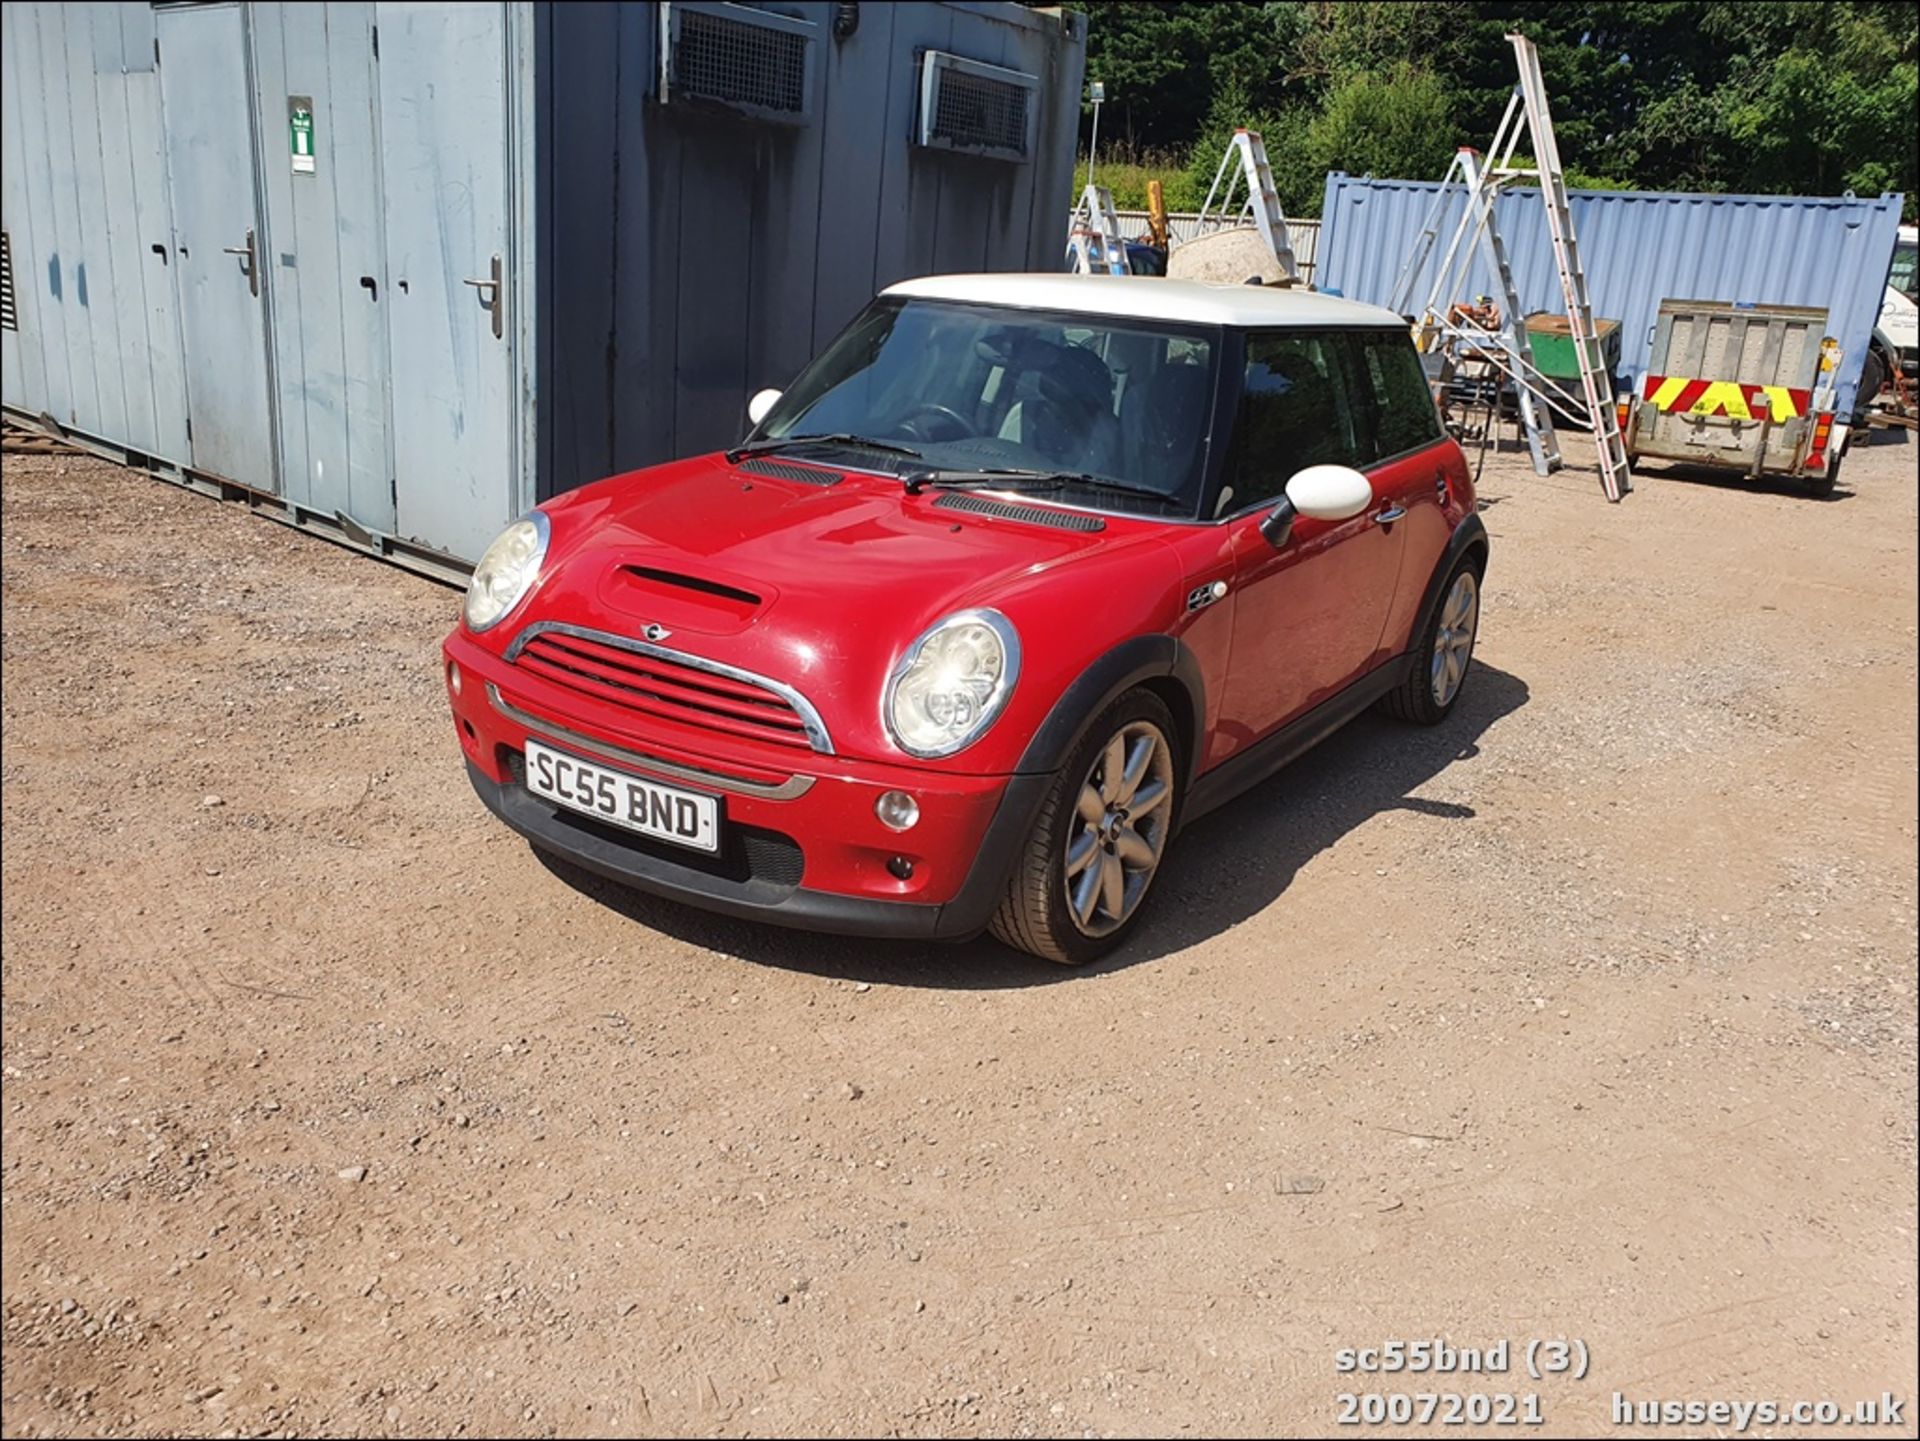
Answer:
(1200, 597)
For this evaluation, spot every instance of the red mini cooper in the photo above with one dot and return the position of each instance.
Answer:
(1021, 575)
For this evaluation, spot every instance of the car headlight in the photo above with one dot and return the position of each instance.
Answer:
(954, 681)
(507, 571)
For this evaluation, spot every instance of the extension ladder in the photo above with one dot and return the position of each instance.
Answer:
(1616, 476)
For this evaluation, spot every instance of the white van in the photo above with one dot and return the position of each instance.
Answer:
(1896, 339)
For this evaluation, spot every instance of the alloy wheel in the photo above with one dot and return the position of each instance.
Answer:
(1453, 643)
(1119, 829)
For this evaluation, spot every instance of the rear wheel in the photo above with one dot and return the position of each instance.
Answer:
(1443, 653)
(1874, 373)
(1082, 877)
(1823, 483)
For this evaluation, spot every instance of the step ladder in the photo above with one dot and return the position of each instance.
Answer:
(1245, 162)
(1616, 475)
(1476, 232)
(1094, 221)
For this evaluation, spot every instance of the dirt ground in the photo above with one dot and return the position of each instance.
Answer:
(330, 1107)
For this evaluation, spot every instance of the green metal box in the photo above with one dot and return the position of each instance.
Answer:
(1553, 350)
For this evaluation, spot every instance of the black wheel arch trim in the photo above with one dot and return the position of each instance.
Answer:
(1468, 536)
(1134, 661)
(1141, 658)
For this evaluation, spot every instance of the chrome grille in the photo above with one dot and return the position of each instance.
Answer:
(651, 680)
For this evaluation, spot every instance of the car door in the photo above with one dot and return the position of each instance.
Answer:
(1417, 463)
(1307, 616)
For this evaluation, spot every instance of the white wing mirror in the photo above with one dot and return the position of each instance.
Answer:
(1324, 492)
(1330, 492)
(761, 403)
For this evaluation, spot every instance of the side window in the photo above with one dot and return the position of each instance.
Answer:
(1403, 405)
(1297, 408)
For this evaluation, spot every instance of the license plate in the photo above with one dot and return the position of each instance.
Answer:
(666, 813)
(1719, 437)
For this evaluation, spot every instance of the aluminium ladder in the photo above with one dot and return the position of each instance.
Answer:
(1437, 322)
(1262, 204)
(1095, 220)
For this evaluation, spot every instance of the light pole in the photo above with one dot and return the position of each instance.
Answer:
(1096, 92)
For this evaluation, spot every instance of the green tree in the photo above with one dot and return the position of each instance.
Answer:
(1769, 96)
(1393, 124)
(1163, 64)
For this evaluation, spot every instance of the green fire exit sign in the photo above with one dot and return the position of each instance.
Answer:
(300, 132)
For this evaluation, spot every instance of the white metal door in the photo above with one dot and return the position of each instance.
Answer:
(444, 164)
(219, 249)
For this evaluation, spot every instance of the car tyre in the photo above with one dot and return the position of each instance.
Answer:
(1444, 653)
(1109, 816)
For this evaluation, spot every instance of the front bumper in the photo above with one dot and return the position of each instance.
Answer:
(802, 845)
(647, 868)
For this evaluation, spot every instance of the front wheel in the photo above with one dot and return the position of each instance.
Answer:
(1082, 877)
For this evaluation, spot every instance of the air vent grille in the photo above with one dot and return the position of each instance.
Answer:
(975, 108)
(784, 470)
(739, 57)
(1008, 510)
(9, 317)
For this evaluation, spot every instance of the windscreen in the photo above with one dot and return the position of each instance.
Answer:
(982, 387)
(1902, 277)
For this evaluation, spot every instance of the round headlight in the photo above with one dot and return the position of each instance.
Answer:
(953, 683)
(507, 571)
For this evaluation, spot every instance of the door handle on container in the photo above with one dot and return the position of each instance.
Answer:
(248, 265)
(494, 302)
(1389, 515)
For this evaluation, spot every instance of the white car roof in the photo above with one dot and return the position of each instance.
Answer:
(1150, 297)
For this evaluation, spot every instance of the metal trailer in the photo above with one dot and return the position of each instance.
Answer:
(396, 271)
(1640, 248)
(1745, 388)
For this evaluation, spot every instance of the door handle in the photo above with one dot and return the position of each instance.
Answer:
(1389, 515)
(249, 266)
(494, 302)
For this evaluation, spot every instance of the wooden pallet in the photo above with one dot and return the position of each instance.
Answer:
(17, 440)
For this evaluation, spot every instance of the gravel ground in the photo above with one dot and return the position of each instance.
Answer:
(330, 1108)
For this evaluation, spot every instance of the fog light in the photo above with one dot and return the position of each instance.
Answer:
(897, 810)
(901, 868)
(453, 676)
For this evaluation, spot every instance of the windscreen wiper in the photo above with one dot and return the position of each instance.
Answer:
(1027, 480)
(919, 480)
(863, 442)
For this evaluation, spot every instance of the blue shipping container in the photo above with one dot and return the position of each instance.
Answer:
(1639, 248)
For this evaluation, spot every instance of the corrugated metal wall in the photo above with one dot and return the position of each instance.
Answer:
(1639, 248)
(695, 256)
